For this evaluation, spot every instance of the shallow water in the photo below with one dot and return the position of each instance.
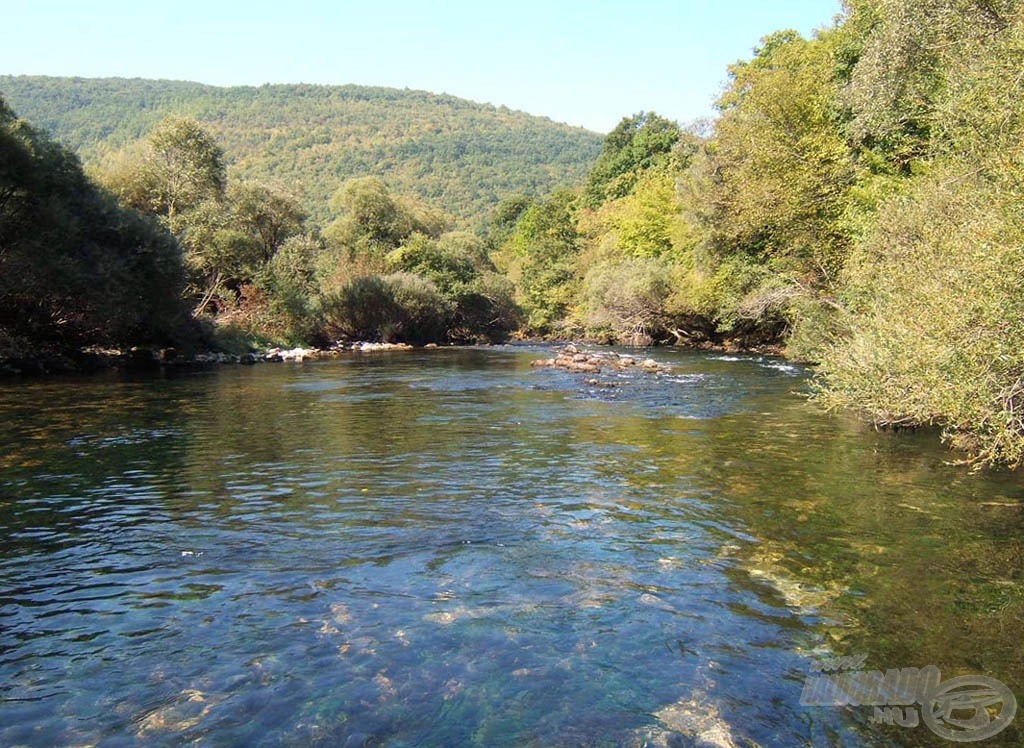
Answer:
(451, 548)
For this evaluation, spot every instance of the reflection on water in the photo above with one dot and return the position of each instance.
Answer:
(450, 548)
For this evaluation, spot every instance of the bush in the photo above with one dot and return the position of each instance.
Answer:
(421, 312)
(485, 309)
(290, 283)
(76, 268)
(937, 317)
(627, 299)
(362, 309)
(397, 308)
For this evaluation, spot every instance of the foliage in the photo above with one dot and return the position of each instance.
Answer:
(371, 221)
(934, 310)
(396, 308)
(480, 302)
(780, 162)
(76, 268)
(228, 232)
(938, 317)
(540, 256)
(185, 167)
(362, 309)
(900, 64)
(627, 299)
(461, 156)
(638, 143)
(484, 309)
(645, 222)
(270, 216)
(397, 277)
(422, 312)
(291, 292)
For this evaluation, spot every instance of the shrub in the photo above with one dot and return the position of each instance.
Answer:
(362, 309)
(485, 309)
(421, 312)
(937, 318)
(626, 299)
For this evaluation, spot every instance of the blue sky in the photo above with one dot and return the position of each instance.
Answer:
(585, 63)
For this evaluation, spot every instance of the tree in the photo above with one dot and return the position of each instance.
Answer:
(781, 165)
(540, 257)
(75, 267)
(636, 144)
(290, 280)
(270, 216)
(478, 302)
(899, 52)
(932, 308)
(426, 258)
(362, 309)
(627, 299)
(184, 168)
(485, 309)
(371, 221)
(645, 220)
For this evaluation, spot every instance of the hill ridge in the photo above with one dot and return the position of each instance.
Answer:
(460, 155)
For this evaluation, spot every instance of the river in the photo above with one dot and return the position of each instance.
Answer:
(450, 548)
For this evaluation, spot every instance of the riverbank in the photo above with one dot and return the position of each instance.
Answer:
(46, 362)
(51, 362)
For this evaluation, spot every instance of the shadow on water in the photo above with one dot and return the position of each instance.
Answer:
(451, 548)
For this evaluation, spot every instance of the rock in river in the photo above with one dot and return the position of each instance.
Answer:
(573, 360)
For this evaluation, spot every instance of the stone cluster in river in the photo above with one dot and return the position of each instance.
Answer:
(315, 354)
(571, 359)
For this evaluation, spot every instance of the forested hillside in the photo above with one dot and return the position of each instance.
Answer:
(457, 155)
(122, 259)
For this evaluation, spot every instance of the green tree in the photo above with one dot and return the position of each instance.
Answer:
(540, 257)
(184, 168)
(422, 312)
(479, 303)
(627, 300)
(484, 309)
(646, 221)
(932, 310)
(636, 144)
(269, 215)
(779, 175)
(291, 282)
(362, 309)
(75, 267)
(781, 164)
(898, 53)
(370, 220)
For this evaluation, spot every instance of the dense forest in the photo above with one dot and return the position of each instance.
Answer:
(457, 155)
(857, 203)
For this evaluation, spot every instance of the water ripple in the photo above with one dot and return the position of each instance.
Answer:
(440, 550)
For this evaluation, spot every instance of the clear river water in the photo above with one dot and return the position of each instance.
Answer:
(451, 548)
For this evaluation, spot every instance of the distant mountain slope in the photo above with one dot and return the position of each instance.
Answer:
(458, 155)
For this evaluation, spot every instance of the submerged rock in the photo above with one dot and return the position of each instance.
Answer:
(697, 722)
